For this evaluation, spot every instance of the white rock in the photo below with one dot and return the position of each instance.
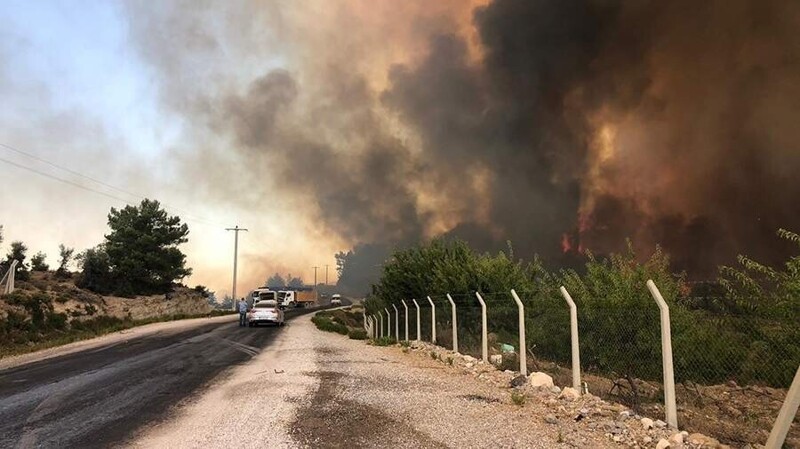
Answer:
(569, 394)
(662, 444)
(469, 358)
(677, 438)
(496, 359)
(469, 365)
(647, 440)
(555, 390)
(540, 380)
(617, 438)
(647, 423)
(660, 424)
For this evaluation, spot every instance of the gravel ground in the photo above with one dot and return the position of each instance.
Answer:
(315, 389)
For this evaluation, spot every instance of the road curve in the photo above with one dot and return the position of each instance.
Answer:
(97, 397)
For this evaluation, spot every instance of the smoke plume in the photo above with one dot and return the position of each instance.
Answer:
(558, 125)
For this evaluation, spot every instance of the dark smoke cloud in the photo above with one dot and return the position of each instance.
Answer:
(697, 102)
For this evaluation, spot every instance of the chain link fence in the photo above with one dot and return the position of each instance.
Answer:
(731, 370)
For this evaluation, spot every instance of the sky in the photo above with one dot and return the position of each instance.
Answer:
(567, 128)
(77, 92)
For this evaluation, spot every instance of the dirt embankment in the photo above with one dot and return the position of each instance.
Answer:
(48, 310)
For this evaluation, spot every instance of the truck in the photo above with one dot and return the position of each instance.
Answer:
(297, 297)
(261, 294)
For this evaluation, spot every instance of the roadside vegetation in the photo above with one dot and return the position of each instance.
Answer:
(742, 328)
(138, 259)
(347, 321)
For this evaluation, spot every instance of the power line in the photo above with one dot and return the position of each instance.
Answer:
(89, 189)
(105, 184)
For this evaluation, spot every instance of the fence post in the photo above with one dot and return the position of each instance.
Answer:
(484, 336)
(9, 277)
(787, 413)
(418, 323)
(388, 322)
(396, 322)
(406, 315)
(666, 356)
(523, 361)
(573, 331)
(433, 320)
(455, 323)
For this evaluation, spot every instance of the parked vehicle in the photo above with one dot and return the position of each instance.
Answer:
(336, 300)
(265, 312)
(297, 297)
(262, 294)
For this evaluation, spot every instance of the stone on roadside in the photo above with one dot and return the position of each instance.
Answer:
(703, 441)
(537, 380)
(555, 390)
(647, 423)
(663, 444)
(551, 419)
(496, 359)
(469, 358)
(659, 424)
(647, 440)
(570, 394)
(676, 438)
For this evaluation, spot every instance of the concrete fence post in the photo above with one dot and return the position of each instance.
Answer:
(380, 325)
(388, 322)
(406, 315)
(788, 411)
(666, 356)
(396, 323)
(419, 338)
(573, 331)
(433, 320)
(454, 322)
(523, 361)
(9, 277)
(484, 332)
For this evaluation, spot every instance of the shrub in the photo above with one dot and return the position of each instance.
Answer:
(383, 341)
(518, 398)
(357, 334)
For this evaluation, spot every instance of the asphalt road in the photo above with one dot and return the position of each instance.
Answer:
(100, 396)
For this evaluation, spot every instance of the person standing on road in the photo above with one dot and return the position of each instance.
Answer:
(242, 313)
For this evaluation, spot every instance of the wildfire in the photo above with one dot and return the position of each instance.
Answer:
(566, 245)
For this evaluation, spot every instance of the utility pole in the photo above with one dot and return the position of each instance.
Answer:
(235, 259)
(326, 275)
(315, 277)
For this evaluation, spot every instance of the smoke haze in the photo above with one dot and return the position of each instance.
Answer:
(562, 126)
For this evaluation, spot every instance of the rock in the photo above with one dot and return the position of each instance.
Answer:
(647, 440)
(496, 359)
(569, 394)
(469, 358)
(555, 390)
(551, 419)
(469, 365)
(623, 415)
(702, 441)
(647, 423)
(659, 424)
(663, 444)
(537, 380)
(518, 381)
(676, 438)
(617, 438)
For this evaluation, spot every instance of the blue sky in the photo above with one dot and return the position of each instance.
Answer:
(80, 52)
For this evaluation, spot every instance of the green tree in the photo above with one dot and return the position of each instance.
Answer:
(19, 253)
(38, 262)
(276, 281)
(64, 256)
(95, 270)
(142, 248)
